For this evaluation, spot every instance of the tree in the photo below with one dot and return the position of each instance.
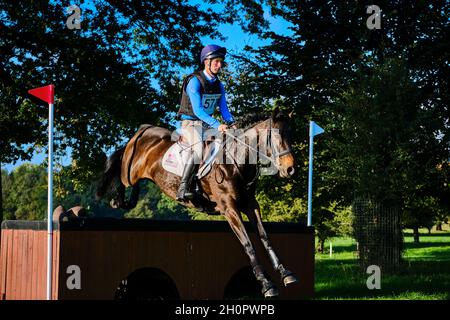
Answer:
(281, 209)
(332, 221)
(155, 205)
(441, 216)
(69, 192)
(25, 193)
(420, 213)
(118, 70)
(381, 95)
(332, 58)
(107, 74)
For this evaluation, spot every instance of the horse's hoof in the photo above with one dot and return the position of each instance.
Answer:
(289, 279)
(271, 293)
(114, 204)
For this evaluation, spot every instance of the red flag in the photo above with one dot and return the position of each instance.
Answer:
(46, 93)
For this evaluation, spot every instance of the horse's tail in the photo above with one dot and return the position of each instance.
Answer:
(110, 181)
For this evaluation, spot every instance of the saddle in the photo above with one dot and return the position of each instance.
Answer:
(177, 155)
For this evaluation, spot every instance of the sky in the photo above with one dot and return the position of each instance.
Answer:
(236, 40)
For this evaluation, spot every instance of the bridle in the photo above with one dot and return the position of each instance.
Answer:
(274, 158)
(275, 154)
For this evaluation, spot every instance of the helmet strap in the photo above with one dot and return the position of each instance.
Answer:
(209, 67)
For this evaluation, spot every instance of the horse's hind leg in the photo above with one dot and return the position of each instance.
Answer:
(119, 202)
(134, 197)
(234, 219)
(252, 211)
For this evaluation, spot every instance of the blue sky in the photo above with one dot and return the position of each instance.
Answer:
(236, 40)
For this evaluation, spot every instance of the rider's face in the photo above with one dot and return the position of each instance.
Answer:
(214, 65)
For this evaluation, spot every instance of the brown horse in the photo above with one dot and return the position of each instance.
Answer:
(228, 189)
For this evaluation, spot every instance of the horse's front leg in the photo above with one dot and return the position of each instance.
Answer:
(252, 210)
(235, 220)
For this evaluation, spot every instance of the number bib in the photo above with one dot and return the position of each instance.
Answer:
(210, 101)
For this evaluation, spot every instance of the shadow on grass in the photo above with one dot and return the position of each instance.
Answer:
(424, 244)
(431, 250)
(425, 273)
(343, 279)
(433, 235)
(439, 251)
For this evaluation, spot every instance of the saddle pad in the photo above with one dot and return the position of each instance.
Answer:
(177, 155)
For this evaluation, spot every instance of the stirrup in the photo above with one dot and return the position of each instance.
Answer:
(183, 194)
(187, 195)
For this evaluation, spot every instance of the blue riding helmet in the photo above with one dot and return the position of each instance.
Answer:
(212, 51)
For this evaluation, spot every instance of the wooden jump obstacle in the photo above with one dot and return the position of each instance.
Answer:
(147, 259)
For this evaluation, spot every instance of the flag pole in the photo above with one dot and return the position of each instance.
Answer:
(314, 130)
(310, 173)
(47, 94)
(50, 202)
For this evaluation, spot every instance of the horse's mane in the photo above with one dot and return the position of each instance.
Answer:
(248, 120)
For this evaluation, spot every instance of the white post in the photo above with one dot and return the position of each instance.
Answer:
(50, 202)
(314, 130)
(310, 172)
(331, 249)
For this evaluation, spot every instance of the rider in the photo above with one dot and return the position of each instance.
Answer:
(202, 91)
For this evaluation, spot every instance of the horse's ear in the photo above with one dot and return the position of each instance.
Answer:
(276, 112)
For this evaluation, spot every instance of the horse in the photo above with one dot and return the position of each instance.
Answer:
(228, 189)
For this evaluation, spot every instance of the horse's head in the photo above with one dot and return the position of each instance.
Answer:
(279, 143)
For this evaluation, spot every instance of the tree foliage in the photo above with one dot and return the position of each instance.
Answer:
(156, 205)
(107, 74)
(25, 197)
(25, 193)
(381, 95)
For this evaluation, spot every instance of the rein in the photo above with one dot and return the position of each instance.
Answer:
(249, 184)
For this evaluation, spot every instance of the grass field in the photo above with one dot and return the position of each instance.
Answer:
(425, 276)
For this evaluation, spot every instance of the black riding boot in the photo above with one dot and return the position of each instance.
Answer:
(183, 191)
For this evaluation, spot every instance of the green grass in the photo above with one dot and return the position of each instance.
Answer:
(424, 276)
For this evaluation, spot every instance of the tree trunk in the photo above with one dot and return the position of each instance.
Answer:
(320, 245)
(416, 234)
(439, 226)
